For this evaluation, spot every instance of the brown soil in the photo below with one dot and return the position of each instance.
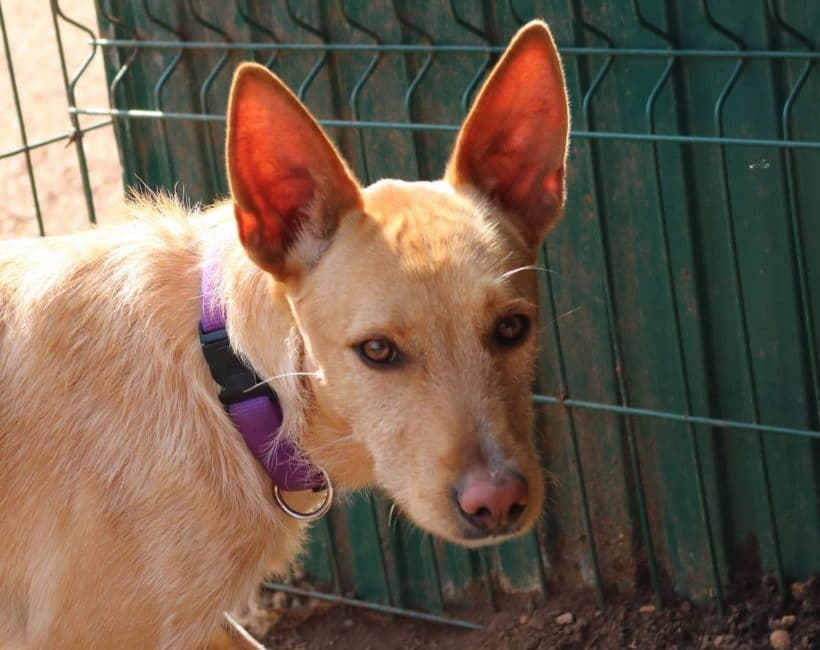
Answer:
(754, 620)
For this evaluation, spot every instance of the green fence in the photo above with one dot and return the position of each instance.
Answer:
(679, 382)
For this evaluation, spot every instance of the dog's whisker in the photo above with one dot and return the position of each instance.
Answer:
(285, 375)
(566, 313)
(529, 267)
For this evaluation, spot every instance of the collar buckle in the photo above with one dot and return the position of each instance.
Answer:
(237, 382)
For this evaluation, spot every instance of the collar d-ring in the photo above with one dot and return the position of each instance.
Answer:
(314, 515)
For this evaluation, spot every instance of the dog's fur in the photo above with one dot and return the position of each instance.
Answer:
(131, 512)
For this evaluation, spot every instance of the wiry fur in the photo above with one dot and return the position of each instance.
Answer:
(129, 465)
(132, 515)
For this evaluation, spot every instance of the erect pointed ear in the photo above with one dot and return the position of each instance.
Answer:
(289, 184)
(512, 147)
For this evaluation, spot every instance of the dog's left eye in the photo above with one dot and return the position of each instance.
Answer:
(378, 352)
(511, 330)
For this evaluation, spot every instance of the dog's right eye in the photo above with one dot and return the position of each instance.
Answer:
(378, 352)
(512, 330)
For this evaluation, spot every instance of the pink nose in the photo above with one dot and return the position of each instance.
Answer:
(493, 503)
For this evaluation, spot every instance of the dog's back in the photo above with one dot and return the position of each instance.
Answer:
(106, 448)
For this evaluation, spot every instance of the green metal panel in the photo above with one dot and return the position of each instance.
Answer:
(683, 281)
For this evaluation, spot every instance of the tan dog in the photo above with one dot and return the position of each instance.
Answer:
(396, 324)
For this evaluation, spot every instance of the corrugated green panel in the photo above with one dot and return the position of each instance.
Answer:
(742, 188)
(634, 207)
(683, 279)
(574, 254)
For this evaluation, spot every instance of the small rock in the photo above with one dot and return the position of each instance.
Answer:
(798, 590)
(523, 619)
(565, 619)
(280, 600)
(647, 609)
(721, 639)
(788, 620)
(348, 622)
(780, 640)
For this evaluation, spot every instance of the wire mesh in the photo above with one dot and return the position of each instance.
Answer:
(680, 384)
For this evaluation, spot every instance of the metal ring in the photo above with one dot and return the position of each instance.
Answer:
(313, 515)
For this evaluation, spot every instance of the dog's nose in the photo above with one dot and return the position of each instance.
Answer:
(494, 502)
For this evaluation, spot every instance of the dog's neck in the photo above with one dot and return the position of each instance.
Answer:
(264, 333)
(259, 321)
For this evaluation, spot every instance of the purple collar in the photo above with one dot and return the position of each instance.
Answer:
(250, 402)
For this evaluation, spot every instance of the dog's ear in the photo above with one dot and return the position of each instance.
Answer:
(512, 147)
(289, 185)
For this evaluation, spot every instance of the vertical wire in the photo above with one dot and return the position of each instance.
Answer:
(320, 62)
(360, 82)
(77, 135)
(614, 336)
(797, 247)
(575, 448)
(213, 164)
(22, 125)
(573, 438)
(740, 303)
(673, 302)
(573, 435)
(474, 83)
(128, 156)
(159, 104)
(418, 143)
(255, 24)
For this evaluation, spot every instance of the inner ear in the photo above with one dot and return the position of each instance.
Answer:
(512, 147)
(288, 183)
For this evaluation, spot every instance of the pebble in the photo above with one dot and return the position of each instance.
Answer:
(788, 620)
(720, 639)
(647, 609)
(565, 619)
(280, 600)
(780, 640)
(523, 619)
(348, 622)
(798, 590)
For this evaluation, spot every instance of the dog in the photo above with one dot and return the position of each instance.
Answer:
(394, 326)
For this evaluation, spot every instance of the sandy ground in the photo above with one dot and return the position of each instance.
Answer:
(36, 66)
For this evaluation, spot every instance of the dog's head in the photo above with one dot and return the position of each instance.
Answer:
(414, 302)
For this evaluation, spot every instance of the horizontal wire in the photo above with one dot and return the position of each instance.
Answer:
(462, 49)
(377, 607)
(362, 124)
(677, 417)
(56, 138)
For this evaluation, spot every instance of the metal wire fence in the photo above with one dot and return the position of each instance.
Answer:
(679, 377)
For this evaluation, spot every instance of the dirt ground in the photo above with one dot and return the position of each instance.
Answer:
(39, 78)
(758, 617)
